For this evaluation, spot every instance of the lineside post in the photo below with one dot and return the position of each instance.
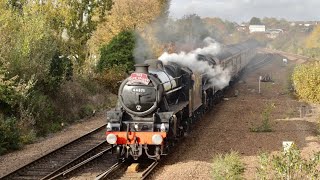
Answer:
(260, 78)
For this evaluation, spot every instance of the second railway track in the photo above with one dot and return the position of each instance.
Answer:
(64, 159)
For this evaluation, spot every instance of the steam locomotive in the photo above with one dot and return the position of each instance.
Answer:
(158, 102)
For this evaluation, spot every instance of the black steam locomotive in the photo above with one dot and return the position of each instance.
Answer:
(158, 102)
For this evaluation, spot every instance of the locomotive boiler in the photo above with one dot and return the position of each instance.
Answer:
(158, 102)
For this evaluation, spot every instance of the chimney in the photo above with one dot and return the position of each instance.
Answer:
(141, 68)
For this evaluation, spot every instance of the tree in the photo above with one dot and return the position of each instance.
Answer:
(164, 6)
(38, 40)
(126, 15)
(16, 4)
(28, 48)
(312, 44)
(191, 29)
(255, 21)
(313, 40)
(306, 82)
(275, 23)
(73, 23)
(119, 52)
(27, 43)
(82, 24)
(12, 92)
(230, 26)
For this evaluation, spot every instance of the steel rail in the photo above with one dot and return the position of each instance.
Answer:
(81, 164)
(46, 171)
(125, 175)
(149, 170)
(113, 168)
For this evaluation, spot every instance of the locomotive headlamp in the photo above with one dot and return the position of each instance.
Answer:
(157, 139)
(111, 139)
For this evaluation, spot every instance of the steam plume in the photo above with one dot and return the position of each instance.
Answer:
(218, 76)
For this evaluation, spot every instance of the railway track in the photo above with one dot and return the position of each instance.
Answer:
(296, 56)
(127, 170)
(259, 62)
(65, 159)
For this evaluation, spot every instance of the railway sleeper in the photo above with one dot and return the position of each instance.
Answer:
(41, 172)
(55, 163)
(25, 178)
(46, 168)
(74, 152)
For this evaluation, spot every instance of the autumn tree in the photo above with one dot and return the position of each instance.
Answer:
(312, 43)
(306, 77)
(125, 15)
(73, 23)
(306, 82)
(164, 8)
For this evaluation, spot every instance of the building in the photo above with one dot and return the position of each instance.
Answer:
(305, 23)
(257, 28)
(242, 27)
(273, 33)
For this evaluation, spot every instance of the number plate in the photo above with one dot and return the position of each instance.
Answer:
(140, 90)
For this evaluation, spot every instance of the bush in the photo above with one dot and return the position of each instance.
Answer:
(86, 111)
(111, 78)
(60, 70)
(9, 135)
(289, 165)
(12, 91)
(306, 81)
(39, 113)
(28, 137)
(228, 166)
(314, 53)
(265, 124)
(118, 52)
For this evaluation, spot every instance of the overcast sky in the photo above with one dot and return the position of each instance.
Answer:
(243, 10)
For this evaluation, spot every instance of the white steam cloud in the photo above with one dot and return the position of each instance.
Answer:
(218, 77)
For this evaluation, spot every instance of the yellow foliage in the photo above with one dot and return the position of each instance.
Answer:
(111, 78)
(125, 15)
(306, 81)
(313, 41)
